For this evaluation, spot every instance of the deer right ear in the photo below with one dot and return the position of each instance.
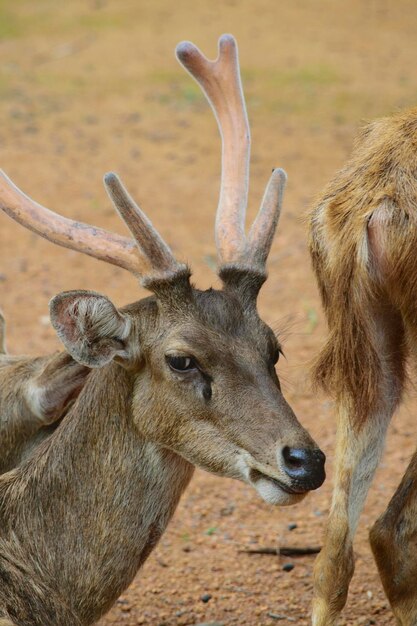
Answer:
(91, 328)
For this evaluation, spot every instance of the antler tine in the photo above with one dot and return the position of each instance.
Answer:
(263, 228)
(220, 81)
(152, 260)
(95, 242)
(156, 253)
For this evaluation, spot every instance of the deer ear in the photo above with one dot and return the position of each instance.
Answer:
(56, 386)
(91, 328)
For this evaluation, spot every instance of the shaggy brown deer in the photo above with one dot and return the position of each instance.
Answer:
(35, 393)
(185, 378)
(364, 250)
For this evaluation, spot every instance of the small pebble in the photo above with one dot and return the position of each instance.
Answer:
(292, 526)
(227, 510)
(287, 567)
(206, 597)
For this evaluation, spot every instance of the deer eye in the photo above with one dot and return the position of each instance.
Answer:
(181, 363)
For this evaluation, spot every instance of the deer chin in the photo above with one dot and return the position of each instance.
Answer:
(272, 489)
(274, 492)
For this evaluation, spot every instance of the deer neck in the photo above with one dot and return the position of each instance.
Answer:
(96, 496)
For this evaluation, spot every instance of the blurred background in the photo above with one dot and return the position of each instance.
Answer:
(91, 86)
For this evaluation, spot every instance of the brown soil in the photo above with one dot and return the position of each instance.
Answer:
(92, 86)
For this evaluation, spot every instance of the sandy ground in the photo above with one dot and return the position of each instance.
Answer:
(90, 86)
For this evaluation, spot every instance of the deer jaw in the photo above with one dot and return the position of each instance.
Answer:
(205, 382)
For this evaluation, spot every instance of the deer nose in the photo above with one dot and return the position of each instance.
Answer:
(305, 467)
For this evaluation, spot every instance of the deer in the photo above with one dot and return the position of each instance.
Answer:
(363, 242)
(35, 393)
(179, 379)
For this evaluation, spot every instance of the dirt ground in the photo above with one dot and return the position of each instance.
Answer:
(89, 86)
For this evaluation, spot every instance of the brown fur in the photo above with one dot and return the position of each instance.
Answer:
(393, 539)
(187, 378)
(363, 243)
(380, 178)
(34, 395)
(98, 494)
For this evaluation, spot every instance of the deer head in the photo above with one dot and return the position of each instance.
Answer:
(203, 363)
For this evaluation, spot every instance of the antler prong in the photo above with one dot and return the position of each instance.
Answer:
(221, 83)
(263, 228)
(148, 256)
(157, 257)
(91, 240)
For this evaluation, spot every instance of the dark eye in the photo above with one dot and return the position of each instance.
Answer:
(181, 363)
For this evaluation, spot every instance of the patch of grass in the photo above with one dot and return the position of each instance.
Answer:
(99, 20)
(312, 319)
(315, 75)
(19, 18)
(10, 26)
(307, 75)
(171, 88)
(190, 94)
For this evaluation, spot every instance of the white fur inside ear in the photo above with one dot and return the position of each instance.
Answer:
(93, 331)
(34, 399)
(97, 317)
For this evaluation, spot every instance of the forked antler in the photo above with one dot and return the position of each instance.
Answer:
(147, 256)
(220, 81)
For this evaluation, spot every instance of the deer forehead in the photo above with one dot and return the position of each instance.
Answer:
(214, 320)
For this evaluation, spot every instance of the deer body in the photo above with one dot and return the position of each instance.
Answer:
(364, 249)
(117, 470)
(113, 495)
(183, 378)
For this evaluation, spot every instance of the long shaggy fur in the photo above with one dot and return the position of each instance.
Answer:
(377, 186)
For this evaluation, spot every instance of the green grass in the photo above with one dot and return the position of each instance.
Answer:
(20, 18)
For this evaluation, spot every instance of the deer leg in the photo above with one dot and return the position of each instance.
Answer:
(359, 446)
(393, 540)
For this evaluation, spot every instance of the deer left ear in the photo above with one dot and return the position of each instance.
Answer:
(57, 385)
(91, 328)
